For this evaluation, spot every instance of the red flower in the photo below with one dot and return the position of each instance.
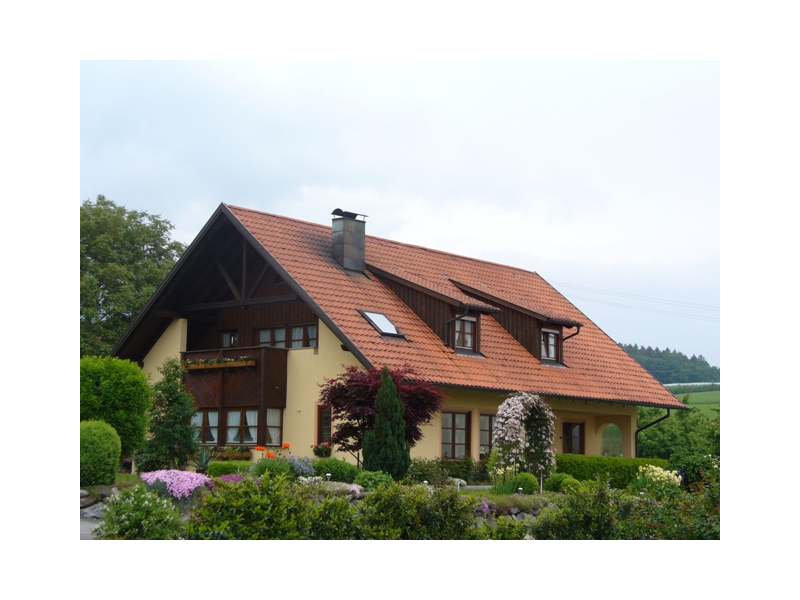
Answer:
(261, 448)
(286, 446)
(270, 455)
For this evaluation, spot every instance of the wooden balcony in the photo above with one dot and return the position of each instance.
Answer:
(237, 377)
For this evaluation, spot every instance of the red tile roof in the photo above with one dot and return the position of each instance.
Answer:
(596, 367)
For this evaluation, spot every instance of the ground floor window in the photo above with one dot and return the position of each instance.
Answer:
(487, 439)
(241, 427)
(611, 441)
(207, 423)
(274, 427)
(455, 434)
(573, 437)
(323, 424)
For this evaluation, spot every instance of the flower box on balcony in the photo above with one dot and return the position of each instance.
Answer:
(221, 365)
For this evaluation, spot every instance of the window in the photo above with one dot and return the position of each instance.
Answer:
(304, 336)
(230, 339)
(611, 441)
(455, 434)
(323, 424)
(207, 423)
(274, 426)
(550, 345)
(466, 334)
(381, 322)
(573, 437)
(298, 336)
(242, 427)
(487, 438)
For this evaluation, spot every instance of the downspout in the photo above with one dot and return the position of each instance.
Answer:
(457, 317)
(636, 435)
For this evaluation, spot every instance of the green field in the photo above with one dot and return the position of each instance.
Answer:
(707, 402)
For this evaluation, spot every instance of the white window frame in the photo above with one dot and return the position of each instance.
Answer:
(473, 334)
(554, 340)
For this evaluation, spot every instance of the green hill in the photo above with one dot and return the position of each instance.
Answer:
(671, 366)
(706, 402)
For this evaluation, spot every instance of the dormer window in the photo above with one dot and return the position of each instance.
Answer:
(382, 323)
(551, 345)
(465, 334)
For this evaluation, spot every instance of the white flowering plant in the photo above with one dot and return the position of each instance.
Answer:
(656, 480)
(524, 433)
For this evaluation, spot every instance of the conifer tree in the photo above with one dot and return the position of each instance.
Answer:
(172, 437)
(385, 447)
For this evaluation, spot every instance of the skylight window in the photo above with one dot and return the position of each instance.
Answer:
(382, 323)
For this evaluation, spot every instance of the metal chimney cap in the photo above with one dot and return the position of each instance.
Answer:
(338, 212)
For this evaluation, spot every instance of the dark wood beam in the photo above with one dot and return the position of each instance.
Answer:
(228, 279)
(235, 303)
(261, 275)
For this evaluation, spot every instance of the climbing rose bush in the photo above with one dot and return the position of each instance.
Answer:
(524, 433)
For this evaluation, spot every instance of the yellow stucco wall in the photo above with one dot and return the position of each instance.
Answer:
(309, 367)
(172, 343)
(595, 415)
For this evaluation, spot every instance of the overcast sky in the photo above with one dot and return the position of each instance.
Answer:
(603, 177)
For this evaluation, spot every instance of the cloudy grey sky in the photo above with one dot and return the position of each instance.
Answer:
(604, 177)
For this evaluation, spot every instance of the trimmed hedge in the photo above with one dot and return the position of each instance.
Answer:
(620, 471)
(217, 468)
(339, 469)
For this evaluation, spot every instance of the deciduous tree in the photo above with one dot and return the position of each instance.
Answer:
(351, 398)
(125, 254)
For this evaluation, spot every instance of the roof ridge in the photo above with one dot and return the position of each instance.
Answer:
(389, 240)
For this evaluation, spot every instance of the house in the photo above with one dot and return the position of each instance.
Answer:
(264, 308)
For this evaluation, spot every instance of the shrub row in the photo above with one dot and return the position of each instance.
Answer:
(621, 472)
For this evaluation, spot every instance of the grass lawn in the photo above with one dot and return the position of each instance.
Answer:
(707, 402)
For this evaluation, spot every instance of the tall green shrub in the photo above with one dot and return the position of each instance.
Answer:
(116, 391)
(385, 446)
(171, 433)
(100, 451)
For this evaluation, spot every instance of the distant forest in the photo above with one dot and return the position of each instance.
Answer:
(671, 366)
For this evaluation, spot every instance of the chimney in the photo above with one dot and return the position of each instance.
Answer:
(348, 239)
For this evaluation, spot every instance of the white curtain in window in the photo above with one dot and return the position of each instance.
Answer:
(297, 337)
(251, 421)
(312, 336)
(274, 426)
(234, 419)
(213, 426)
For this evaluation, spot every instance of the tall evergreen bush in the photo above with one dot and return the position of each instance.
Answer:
(100, 450)
(385, 446)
